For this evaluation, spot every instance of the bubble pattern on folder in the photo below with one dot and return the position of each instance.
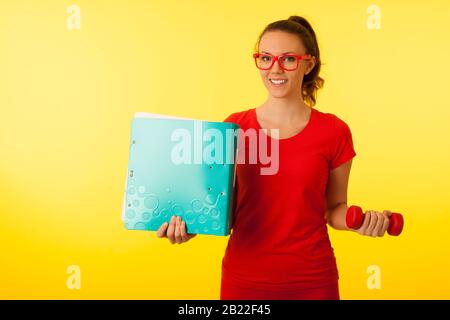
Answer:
(157, 188)
(145, 211)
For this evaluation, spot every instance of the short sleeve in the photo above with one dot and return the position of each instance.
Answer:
(230, 118)
(342, 149)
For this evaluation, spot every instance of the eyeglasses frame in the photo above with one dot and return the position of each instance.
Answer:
(256, 55)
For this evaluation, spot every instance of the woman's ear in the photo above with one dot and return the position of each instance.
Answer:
(310, 64)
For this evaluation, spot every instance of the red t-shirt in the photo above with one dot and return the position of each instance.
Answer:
(279, 238)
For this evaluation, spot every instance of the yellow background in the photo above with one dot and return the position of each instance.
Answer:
(67, 98)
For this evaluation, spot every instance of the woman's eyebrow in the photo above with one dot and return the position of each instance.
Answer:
(282, 53)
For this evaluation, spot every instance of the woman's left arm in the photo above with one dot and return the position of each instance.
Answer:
(375, 223)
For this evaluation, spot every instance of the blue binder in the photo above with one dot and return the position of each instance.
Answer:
(184, 167)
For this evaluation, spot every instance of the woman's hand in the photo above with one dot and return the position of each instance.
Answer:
(375, 223)
(175, 231)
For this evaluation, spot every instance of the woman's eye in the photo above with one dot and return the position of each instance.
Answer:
(290, 59)
(265, 58)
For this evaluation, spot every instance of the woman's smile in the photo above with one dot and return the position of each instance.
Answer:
(278, 82)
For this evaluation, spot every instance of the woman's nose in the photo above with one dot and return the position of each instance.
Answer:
(276, 66)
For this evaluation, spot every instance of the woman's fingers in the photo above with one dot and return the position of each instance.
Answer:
(385, 226)
(171, 230)
(365, 224)
(386, 215)
(177, 230)
(379, 226)
(375, 223)
(184, 235)
(161, 233)
(372, 224)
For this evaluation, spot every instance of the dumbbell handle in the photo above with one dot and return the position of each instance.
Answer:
(355, 217)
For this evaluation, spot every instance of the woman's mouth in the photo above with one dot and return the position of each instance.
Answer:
(278, 82)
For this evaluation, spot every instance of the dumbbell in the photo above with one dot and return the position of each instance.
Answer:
(355, 217)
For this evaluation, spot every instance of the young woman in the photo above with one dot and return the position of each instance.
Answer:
(279, 247)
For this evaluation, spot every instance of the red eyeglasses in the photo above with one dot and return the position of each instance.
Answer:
(287, 62)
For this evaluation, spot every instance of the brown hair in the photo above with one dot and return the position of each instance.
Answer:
(301, 27)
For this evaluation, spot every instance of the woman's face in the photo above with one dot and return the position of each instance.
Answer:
(277, 43)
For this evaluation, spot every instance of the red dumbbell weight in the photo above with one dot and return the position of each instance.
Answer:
(355, 217)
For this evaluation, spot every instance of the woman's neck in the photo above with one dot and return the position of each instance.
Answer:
(284, 110)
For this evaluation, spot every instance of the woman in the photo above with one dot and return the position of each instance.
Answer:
(279, 247)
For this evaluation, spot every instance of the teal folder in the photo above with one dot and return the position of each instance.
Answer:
(182, 167)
